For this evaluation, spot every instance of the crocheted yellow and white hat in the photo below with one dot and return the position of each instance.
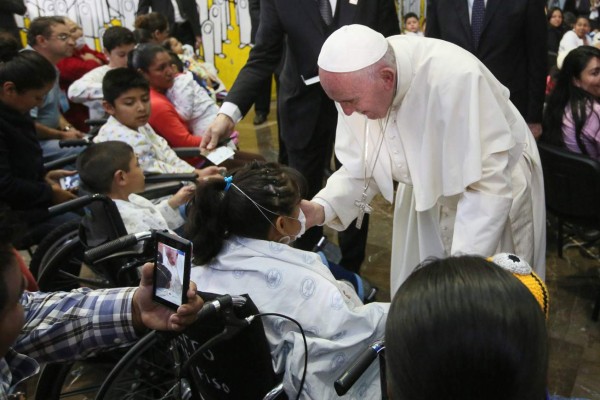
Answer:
(523, 272)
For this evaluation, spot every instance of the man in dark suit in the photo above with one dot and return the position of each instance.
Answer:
(183, 17)
(511, 38)
(307, 117)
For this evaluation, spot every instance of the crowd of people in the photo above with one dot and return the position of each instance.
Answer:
(447, 134)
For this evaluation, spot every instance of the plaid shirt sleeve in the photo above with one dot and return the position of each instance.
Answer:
(74, 325)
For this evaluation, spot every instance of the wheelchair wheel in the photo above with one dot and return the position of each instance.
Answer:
(149, 370)
(48, 246)
(62, 267)
(73, 380)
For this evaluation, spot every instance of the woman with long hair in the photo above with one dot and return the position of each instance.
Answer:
(572, 114)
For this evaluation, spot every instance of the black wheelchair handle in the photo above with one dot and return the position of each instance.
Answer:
(156, 178)
(74, 142)
(211, 308)
(360, 365)
(114, 246)
(75, 204)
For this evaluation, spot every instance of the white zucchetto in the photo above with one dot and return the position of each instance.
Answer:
(352, 48)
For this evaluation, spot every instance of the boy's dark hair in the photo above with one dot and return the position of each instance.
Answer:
(216, 213)
(26, 69)
(116, 36)
(42, 26)
(410, 15)
(119, 80)
(98, 163)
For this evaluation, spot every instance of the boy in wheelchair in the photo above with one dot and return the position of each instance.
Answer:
(40, 327)
(111, 168)
(127, 101)
(241, 228)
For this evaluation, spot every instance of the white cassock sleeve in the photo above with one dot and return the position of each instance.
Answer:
(483, 209)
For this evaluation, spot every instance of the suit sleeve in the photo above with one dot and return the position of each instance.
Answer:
(388, 23)
(143, 7)
(536, 35)
(193, 17)
(432, 29)
(264, 59)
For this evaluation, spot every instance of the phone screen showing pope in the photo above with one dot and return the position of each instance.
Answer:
(172, 266)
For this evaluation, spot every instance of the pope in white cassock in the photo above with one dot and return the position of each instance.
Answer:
(428, 115)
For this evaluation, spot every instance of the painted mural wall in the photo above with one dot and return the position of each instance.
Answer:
(225, 26)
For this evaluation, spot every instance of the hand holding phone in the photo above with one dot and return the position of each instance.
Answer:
(69, 182)
(172, 265)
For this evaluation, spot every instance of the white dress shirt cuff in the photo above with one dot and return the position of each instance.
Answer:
(232, 111)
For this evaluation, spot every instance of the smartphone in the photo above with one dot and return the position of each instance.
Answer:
(172, 265)
(69, 182)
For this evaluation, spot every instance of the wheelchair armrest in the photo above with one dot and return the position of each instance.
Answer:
(61, 162)
(95, 122)
(75, 204)
(74, 142)
(187, 152)
(116, 245)
(156, 178)
(358, 367)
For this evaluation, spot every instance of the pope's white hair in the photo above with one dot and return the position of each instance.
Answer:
(388, 60)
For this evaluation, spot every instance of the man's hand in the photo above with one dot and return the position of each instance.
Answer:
(53, 177)
(151, 315)
(314, 212)
(536, 129)
(72, 133)
(60, 195)
(219, 129)
(91, 57)
(182, 196)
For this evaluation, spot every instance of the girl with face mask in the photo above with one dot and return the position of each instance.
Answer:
(241, 228)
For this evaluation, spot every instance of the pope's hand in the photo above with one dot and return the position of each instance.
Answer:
(314, 213)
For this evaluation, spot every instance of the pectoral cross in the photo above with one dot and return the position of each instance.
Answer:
(363, 208)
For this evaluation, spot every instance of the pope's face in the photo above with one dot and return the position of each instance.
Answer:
(357, 92)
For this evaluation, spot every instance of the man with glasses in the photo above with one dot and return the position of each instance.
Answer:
(50, 37)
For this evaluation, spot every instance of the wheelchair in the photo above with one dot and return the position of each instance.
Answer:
(57, 261)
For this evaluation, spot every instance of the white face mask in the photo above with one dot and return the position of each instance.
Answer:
(302, 219)
(79, 43)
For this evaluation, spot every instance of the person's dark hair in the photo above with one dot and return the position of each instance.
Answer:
(119, 80)
(146, 24)
(216, 214)
(175, 60)
(26, 69)
(42, 26)
(142, 56)
(464, 328)
(116, 36)
(566, 94)
(98, 163)
(410, 15)
(551, 11)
